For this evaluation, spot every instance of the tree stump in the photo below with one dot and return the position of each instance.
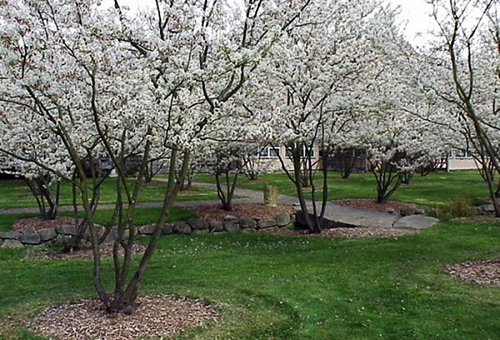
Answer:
(270, 196)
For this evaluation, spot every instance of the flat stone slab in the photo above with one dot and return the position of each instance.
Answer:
(416, 222)
(345, 217)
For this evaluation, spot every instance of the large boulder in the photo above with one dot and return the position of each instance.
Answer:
(231, 224)
(216, 226)
(112, 236)
(29, 236)
(99, 231)
(182, 228)
(66, 230)
(47, 234)
(283, 220)
(13, 244)
(198, 224)
(265, 224)
(11, 235)
(146, 229)
(168, 228)
(247, 223)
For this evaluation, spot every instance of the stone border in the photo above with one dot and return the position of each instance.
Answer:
(230, 224)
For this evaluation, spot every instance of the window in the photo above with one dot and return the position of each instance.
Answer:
(269, 152)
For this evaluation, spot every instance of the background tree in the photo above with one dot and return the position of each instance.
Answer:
(459, 76)
(318, 83)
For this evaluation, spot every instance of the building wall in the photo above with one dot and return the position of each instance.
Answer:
(461, 164)
(272, 162)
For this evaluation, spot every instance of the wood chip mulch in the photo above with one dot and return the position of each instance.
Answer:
(480, 272)
(214, 212)
(38, 223)
(85, 252)
(156, 316)
(354, 232)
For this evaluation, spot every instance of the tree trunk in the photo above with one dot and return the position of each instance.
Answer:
(226, 196)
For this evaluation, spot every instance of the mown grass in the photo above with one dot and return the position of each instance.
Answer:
(271, 287)
(15, 194)
(435, 189)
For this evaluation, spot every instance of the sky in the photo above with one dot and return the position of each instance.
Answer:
(414, 16)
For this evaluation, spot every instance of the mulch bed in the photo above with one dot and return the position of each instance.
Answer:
(156, 316)
(85, 252)
(480, 272)
(354, 232)
(39, 223)
(214, 212)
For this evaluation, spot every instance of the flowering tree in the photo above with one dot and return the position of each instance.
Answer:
(88, 83)
(460, 78)
(317, 83)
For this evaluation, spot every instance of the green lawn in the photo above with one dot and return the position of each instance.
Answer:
(15, 194)
(271, 287)
(432, 190)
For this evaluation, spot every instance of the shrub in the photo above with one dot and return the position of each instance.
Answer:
(457, 207)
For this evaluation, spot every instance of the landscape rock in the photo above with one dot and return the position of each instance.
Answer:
(408, 211)
(283, 219)
(99, 230)
(201, 232)
(198, 224)
(265, 224)
(66, 230)
(416, 222)
(231, 225)
(12, 244)
(182, 228)
(249, 231)
(300, 219)
(47, 234)
(62, 239)
(247, 223)
(12, 235)
(216, 226)
(147, 229)
(488, 208)
(168, 228)
(30, 237)
(113, 234)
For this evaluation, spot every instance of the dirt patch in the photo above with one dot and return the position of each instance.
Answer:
(214, 212)
(373, 205)
(480, 272)
(156, 316)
